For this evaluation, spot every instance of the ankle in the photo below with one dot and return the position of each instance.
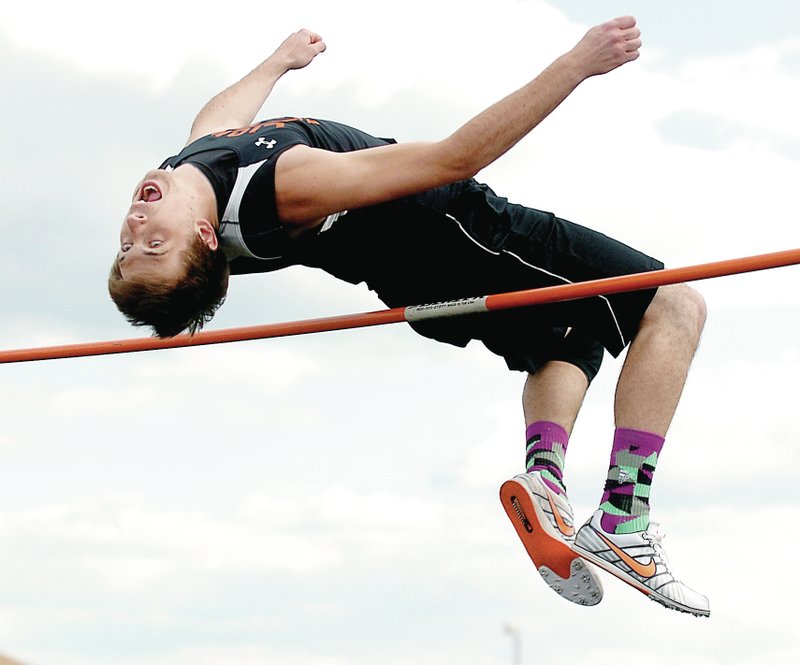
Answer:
(546, 448)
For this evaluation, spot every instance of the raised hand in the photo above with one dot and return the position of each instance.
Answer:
(299, 49)
(608, 46)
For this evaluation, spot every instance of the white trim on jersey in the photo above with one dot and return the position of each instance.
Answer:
(540, 269)
(331, 219)
(230, 233)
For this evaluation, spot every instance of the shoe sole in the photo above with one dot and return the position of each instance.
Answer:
(561, 568)
(652, 594)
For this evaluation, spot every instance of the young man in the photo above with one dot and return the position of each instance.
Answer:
(410, 221)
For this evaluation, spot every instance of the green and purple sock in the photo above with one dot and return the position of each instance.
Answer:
(626, 499)
(547, 446)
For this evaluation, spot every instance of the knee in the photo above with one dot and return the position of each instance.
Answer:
(693, 307)
(680, 306)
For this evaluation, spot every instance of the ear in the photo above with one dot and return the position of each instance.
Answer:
(206, 231)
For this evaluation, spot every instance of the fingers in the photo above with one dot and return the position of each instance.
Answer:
(624, 22)
(632, 43)
(630, 36)
(610, 45)
(630, 33)
(319, 46)
(300, 48)
(314, 41)
(633, 46)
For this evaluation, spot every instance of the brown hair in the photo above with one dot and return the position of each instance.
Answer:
(172, 307)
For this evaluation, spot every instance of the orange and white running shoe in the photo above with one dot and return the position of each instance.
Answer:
(640, 560)
(543, 521)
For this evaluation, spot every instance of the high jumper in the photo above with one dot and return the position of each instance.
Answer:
(410, 220)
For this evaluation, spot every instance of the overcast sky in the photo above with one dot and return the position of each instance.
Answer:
(332, 499)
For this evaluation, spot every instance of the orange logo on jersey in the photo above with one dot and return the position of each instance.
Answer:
(254, 129)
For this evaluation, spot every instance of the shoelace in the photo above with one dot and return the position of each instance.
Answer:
(654, 535)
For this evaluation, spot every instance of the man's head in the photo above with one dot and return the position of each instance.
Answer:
(169, 272)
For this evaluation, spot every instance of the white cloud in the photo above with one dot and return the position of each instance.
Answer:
(750, 89)
(252, 366)
(496, 456)
(241, 655)
(82, 400)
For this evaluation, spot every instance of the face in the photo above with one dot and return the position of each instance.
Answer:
(160, 224)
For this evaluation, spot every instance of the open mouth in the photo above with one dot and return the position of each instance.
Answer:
(149, 192)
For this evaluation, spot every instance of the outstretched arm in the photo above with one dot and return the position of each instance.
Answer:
(311, 184)
(237, 105)
(493, 132)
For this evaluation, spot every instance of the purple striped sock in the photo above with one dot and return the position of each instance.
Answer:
(547, 446)
(626, 498)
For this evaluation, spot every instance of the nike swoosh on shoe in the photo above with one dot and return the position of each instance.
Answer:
(646, 570)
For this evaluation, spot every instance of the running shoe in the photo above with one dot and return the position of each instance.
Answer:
(640, 560)
(543, 521)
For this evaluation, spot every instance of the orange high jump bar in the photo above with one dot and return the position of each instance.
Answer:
(490, 303)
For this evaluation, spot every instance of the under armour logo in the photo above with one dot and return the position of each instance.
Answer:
(262, 141)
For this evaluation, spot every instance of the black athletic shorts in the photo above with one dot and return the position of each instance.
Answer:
(505, 247)
(462, 241)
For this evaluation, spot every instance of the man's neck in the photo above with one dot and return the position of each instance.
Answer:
(205, 198)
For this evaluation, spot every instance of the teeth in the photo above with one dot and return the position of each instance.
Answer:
(147, 191)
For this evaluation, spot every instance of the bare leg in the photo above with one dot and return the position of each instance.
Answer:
(537, 505)
(655, 370)
(555, 393)
(648, 390)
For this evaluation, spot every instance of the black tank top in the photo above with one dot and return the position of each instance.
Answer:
(240, 165)
(422, 248)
